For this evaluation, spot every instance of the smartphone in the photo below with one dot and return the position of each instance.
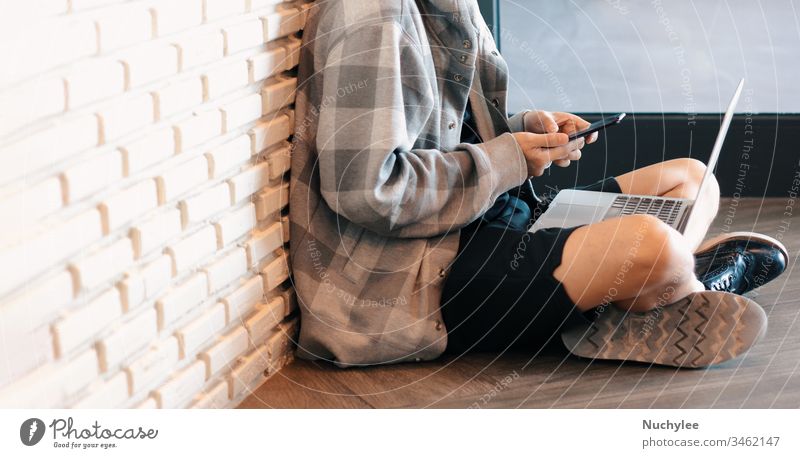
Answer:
(597, 126)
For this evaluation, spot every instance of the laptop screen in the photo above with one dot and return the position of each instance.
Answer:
(712, 161)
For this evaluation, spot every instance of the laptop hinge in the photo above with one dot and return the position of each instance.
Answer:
(685, 217)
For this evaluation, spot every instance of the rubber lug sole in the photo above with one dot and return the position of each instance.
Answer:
(702, 329)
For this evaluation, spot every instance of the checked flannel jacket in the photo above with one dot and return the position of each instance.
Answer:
(380, 184)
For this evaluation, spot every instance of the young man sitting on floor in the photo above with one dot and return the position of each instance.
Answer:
(407, 221)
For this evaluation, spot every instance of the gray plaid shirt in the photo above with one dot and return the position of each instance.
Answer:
(380, 184)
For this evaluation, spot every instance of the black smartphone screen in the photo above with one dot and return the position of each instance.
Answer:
(598, 125)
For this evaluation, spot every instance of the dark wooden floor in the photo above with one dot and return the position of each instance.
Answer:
(768, 376)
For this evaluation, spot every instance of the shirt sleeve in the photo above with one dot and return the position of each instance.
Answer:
(377, 98)
(515, 123)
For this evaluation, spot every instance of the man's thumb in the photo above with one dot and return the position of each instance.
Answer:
(549, 123)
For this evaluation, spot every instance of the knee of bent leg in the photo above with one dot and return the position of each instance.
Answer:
(662, 253)
(692, 169)
(695, 171)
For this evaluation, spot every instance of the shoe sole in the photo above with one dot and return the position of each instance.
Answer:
(744, 236)
(702, 329)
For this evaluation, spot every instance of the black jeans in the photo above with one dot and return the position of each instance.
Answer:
(500, 292)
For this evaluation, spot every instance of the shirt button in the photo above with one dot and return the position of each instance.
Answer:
(452, 125)
(494, 53)
(458, 77)
(438, 325)
(467, 44)
(463, 58)
(495, 103)
(442, 273)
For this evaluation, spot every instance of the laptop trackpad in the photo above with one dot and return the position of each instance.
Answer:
(572, 215)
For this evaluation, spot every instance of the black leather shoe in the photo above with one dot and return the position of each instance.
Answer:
(739, 262)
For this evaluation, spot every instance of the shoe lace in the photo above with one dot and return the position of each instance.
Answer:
(722, 284)
(725, 283)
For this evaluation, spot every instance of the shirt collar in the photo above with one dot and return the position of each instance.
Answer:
(452, 20)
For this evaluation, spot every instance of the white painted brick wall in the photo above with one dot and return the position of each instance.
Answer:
(226, 269)
(57, 141)
(145, 282)
(216, 9)
(192, 336)
(155, 365)
(262, 243)
(246, 183)
(149, 63)
(240, 112)
(32, 203)
(154, 231)
(92, 270)
(181, 299)
(143, 159)
(265, 319)
(201, 127)
(279, 161)
(214, 398)
(220, 355)
(209, 202)
(241, 302)
(267, 64)
(177, 15)
(199, 48)
(153, 147)
(78, 326)
(127, 339)
(235, 224)
(182, 386)
(276, 272)
(94, 174)
(225, 157)
(111, 393)
(31, 101)
(246, 34)
(225, 78)
(249, 369)
(189, 251)
(128, 204)
(93, 80)
(182, 178)
(124, 26)
(126, 116)
(178, 96)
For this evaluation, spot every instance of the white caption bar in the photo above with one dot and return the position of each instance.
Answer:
(400, 433)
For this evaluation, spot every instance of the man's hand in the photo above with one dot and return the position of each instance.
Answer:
(546, 122)
(541, 150)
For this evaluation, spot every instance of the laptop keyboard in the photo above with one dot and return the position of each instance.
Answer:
(663, 209)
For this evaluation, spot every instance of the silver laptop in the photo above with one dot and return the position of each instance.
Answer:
(572, 207)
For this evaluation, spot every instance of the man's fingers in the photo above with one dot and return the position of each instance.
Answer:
(569, 124)
(540, 155)
(565, 151)
(579, 122)
(568, 128)
(538, 160)
(549, 140)
(529, 140)
(542, 122)
(572, 156)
